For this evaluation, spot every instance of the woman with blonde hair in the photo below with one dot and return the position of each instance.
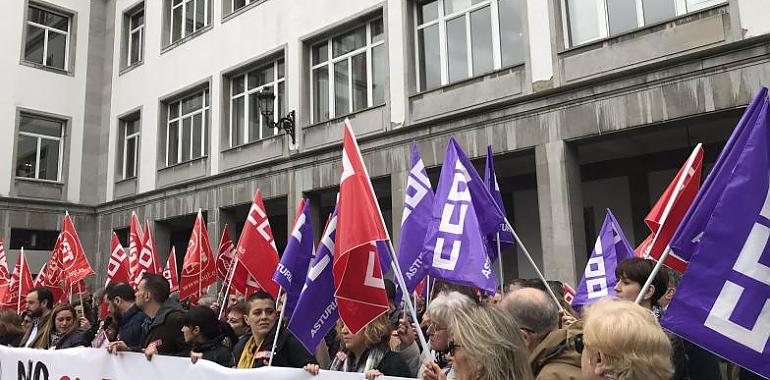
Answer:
(485, 344)
(623, 341)
(60, 330)
(367, 352)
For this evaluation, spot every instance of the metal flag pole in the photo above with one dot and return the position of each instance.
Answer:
(500, 261)
(229, 281)
(277, 327)
(21, 272)
(393, 258)
(663, 219)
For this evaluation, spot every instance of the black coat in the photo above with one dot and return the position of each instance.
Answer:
(216, 350)
(392, 365)
(11, 340)
(130, 328)
(165, 330)
(76, 339)
(289, 351)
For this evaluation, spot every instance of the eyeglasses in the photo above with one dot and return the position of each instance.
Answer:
(579, 344)
(434, 327)
(453, 347)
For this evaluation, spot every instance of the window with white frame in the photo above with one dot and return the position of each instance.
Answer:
(135, 43)
(187, 128)
(39, 148)
(591, 20)
(460, 39)
(128, 147)
(348, 72)
(246, 121)
(186, 17)
(47, 37)
(238, 4)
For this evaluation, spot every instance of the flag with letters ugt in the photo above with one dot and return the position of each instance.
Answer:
(316, 302)
(292, 269)
(599, 277)
(464, 215)
(358, 282)
(723, 301)
(418, 203)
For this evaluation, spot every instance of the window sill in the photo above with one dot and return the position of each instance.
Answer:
(41, 181)
(125, 180)
(130, 68)
(465, 81)
(46, 68)
(250, 143)
(343, 117)
(593, 44)
(241, 10)
(183, 40)
(189, 162)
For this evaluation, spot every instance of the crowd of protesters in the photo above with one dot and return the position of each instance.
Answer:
(522, 334)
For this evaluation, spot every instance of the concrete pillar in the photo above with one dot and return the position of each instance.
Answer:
(561, 211)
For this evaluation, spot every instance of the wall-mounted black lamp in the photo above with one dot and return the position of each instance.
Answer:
(286, 123)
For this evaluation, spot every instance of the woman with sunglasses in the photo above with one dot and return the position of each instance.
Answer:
(437, 321)
(639, 350)
(367, 352)
(485, 344)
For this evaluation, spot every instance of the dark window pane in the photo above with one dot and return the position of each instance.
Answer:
(37, 15)
(136, 47)
(320, 94)
(281, 94)
(40, 126)
(132, 126)
(33, 48)
(266, 131)
(57, 50)
(346, 43)
(622, 15)
(658, 10)
(189, 17)
(186, 138)
(378, 31)
(238, 4)
(56, 21)
(49, 160)
(173, 110)
(378, 74)
(176, 23)
(481, 37)
(320, 53)
(360, 97)
(238, 85)
(192, 103)
(427, 11)
(430, 56)
(130, 158)
(583, 21)
(173, 143)
(261, 76)
(255, 117)
(198, 136)
(341, 88)
(457, 49)
(200, 14)
(281, 69)
(511, 35)
(137, 19)
(38, 240)
(238, 111)
(26, 156)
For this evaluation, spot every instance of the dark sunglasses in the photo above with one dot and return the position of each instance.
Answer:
(452, 347)
(579, 344)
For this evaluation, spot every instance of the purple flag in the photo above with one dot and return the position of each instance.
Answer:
(317, 304)
(599, 277)
(293, 267)
(688, 235)
(723, 301)
(464, 214)
(503, 233)
(418, 204)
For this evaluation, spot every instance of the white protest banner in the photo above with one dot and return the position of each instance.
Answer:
(95, 364)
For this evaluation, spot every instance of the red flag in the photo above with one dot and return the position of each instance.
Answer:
(569, 292)
(134, 247)
(20, 285)
(148, 261)
(678, 207)
(5, 276)
(199, 267)
(256, 247)
(225, 255)
(46, 278)
(360, 290)
(170, 272)
(71, 257)
(118, 269)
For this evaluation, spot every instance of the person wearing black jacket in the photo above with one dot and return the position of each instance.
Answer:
(254, 349)
(210, 338)
(162, 330)
(123, 308)
(10, 328)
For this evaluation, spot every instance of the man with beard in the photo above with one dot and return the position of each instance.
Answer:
(39, 306)
(162, 330)
(122, 307)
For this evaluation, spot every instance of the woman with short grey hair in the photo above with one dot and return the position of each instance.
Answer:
(438, 319)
